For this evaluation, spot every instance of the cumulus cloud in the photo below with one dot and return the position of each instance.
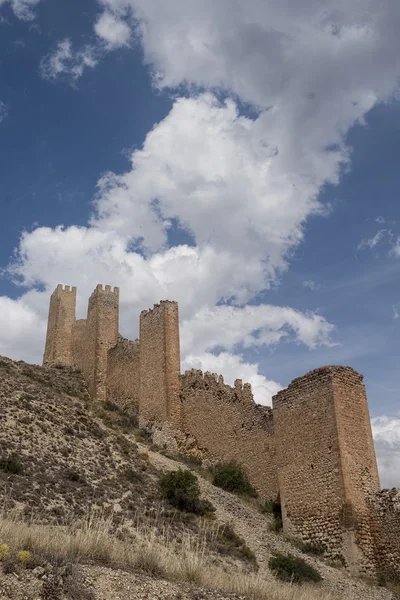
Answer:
(23, 9)
(386, 432)
(66, 62)
(196, 278)
(112, 30)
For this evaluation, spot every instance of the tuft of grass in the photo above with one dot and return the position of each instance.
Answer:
(11, 465)
(287, 567)
(231, 476)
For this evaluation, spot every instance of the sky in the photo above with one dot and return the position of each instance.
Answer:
(240, 157)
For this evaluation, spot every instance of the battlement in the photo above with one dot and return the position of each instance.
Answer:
(195, 378)
(158, 307)
(62, 289)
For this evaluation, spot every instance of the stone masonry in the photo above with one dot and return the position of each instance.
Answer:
(313, 450)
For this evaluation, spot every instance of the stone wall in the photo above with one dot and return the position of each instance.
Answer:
(326, 463)
(58, 350)
(123, 373)
(160, 364)
(385, 524)
(222, 423)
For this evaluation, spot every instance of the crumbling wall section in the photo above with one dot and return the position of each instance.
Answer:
(123, 373)
(222, 423)
(323, 484)
(385, 522)
(61, 319)
(159, 400)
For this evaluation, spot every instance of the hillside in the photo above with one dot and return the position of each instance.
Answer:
(79, 491)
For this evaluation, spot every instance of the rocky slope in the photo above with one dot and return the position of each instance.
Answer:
(63, 459)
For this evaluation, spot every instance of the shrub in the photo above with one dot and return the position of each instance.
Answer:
(228, 536)
(133, 476)
(11, 465)
(232, 477)
(181, 489)
(287, 567)
(274, 509)
(4, 551)
(24, 556)
(72, 475)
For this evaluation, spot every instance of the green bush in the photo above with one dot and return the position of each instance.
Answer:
(287, 567)
(232, 477)
(11, 465)
(181, 489)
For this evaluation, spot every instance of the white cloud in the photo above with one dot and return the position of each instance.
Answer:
(311, 285)
(113, 31)
(375, 240)
(395, 313)
(396, 248)
(23, 9)
(3, 111)
(386, 432)
(251, 326)
(65, 62)
(196, 278)
(22, 330)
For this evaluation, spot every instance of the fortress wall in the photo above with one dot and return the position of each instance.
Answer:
(123, 373)
(323, 484)
(160, 364)
(385, 523)
(358, 460)
(223, 423)
(81, 357)
(58, 350)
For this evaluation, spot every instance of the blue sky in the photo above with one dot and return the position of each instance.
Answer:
(241, 159)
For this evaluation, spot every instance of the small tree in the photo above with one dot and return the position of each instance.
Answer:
(287, 567)
(232, 477)
(182, 490)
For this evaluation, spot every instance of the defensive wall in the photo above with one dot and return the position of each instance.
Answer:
(313, 449)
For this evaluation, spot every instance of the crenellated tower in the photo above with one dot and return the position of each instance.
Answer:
(101, 335)
(61, 320)
(159, 398)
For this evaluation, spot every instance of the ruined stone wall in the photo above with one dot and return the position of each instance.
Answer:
(160, 364)
(323, 484)
(82, 358)
(385, 524)
(58, 350)
(358, 460)
(222, 423)
(123, 373)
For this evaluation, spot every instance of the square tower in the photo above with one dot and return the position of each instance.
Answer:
(326, 463)
(58, 350)
(159, 398)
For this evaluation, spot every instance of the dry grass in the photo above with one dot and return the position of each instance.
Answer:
(153, 551)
